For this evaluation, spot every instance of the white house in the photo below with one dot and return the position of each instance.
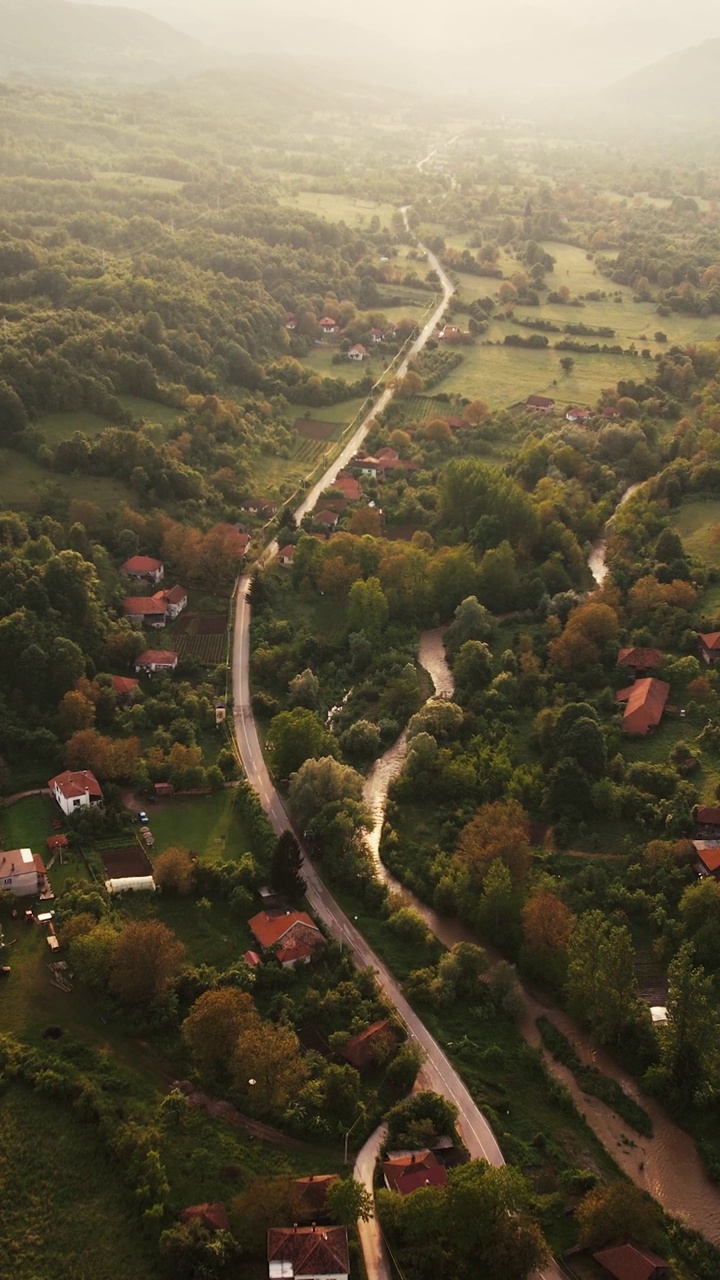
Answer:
(143, 567)
(18, 872)
(174, 599)
(286, 556)
(75, 790)
(358, 352)
(151, 660)
(328, 325)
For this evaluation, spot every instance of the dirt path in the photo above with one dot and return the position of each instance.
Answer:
(222, 1110)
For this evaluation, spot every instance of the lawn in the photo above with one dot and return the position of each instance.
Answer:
(21, 477)
(209, 825)
(27, 824)
(341, 208)
(150, 410)
(66, 1213)
(693, 521)
(61, 426)
(503, 376)
(213, 934)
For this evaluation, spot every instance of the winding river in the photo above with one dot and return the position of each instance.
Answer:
(667, 1165)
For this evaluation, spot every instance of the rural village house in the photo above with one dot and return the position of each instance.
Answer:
(640, 660)
(308, 1253)
(328, 325)
(143, 568)
(175, 600)
(540, 404)
(75, 790)
(710, 647)
(645, 704)
(358, 352)
(708, 858)
(20, 872)
(630, 1262)
(152, 660)
(126, 687)
(370, 1046)
(145, 611)
(409, 1171)
(294, 934)
(286, 556)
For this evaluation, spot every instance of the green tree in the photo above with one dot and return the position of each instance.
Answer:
(472, 669)
(601, 984)
(367, 608)
(286, 868)
(617, 1211)
(689, 1041)
(146, 959)
(304, 690)
(296, 736)
(322, 782)
(349, 1201)
(214, 1024)
(498, 578)
(567, 364)
(174, 870)
(92, 954)
(472, 621)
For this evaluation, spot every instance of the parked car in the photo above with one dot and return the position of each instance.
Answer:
(143, 818)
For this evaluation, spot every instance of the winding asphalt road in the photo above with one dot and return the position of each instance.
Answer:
(438, 1072)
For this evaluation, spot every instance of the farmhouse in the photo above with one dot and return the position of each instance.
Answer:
(286, 556)
(308, 1253)
(328, 325)
(358, 352)
(126, 687)
(152, 660)
(640, 660)
(19, 872)
(707, 819)
(75, 790)
(630, 1262)
(370, 1046)
(291, 321)
(540, 404)
(645, 704)
(708, 858)
(376, 335)
(175, 600)
(348, 486)
(578, 415)
(409, 1171)
(143, 567)
(294, 935)
(327, 519)
(145, 611)
(710, 647)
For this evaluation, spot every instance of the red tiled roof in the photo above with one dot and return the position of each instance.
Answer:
(711, 639)
(326, 322)
(293, 950)
(540, 402)
(630, 1262)
(270, 929)
(56, 842)
(708, 815)
(360, 1049)
(708, 852)
(156, 657)
(406, 1174)
(39, 864)
(311, 1251)
(645, 704)
(212, 1216)
(141, 564)
(124, 684)
(287, 553)
(359, 348)
(252, 958)
(325, 517)
(175, 595)
(640, 657)
(349, 486)
(144, 605)
(72, 784)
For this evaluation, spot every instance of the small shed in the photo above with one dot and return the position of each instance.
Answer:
(164, 789)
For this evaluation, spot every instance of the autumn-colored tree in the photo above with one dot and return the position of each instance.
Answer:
(111, 758)
(264, 1203)
(365, 520)
(616, 1212)
(214, 1024)
(497, 832)
(590, 630)
(547, 924)
(75, 711)
(337, 576)
(270, 1057)
(475, 412)
(146, 959)
(174, 871)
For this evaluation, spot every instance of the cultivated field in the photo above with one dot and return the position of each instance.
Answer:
(203, 636)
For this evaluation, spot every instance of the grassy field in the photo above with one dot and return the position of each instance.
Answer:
(209, 825)
(66, 1214)
(280, 477)
(506, 375)
(61, 426)
(693, 521)
(341, 208)
(20, 478)
(150, 410)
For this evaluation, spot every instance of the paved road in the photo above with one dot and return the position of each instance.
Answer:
(438, 1071)
(377, 1262)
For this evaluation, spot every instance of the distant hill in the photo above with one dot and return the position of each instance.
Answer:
(54, 38)
(685, 85)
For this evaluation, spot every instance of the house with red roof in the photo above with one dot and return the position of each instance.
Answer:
(143, 567)
(578, 415)
(293, 936)
(369, 1047)
(710, 647)
(20, 870)
(153, 660)
(645, 704)
(708, 858)
(291, 321)
(358, 352)
(630, 1262)
(75, 789)
(376, 335)
(286, 555)
(328, 325)
(175, 600)
(213, 1216)
(707, 819)
(145, 611)
(327, 519)
(639, 659)
(540, 404)
(308, 1253)
(348, 486)
(126, 687)
(409, 1171)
